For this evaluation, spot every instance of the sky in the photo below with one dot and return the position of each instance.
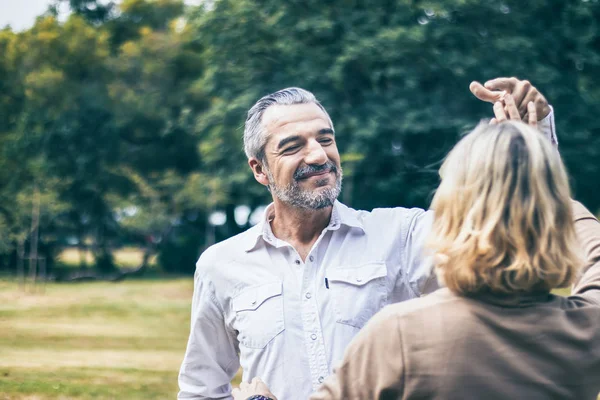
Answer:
(21, 14)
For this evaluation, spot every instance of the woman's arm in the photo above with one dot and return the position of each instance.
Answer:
(588, 232)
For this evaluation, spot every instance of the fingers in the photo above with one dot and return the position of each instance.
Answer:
(499, 114)
(493, 121)
(485, 94)
(515, 96)
(524, 105)
(532, 114)
(521, 90)
(507, 84)
(506, 111)
(541, 106)
(511, 108)
(523, 93)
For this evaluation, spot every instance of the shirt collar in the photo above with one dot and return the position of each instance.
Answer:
(344, 215)
(340, 215)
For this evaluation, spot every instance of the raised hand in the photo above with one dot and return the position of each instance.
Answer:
(522, 92)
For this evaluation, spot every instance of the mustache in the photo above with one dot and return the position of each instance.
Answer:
(314, 169)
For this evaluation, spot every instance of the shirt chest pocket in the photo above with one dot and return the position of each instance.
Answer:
(259, 314)
(358, 293)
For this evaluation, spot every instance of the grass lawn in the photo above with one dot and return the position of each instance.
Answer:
(93, 340)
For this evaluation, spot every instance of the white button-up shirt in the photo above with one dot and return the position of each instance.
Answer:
(288, 321)
(257, 305)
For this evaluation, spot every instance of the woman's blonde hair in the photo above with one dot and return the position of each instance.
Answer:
(503, 217)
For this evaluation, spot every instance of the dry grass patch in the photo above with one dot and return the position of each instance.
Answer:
(123, 359)
(124, 257)
(99, 340)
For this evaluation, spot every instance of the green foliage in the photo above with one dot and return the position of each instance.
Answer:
(394, 76)
(128, 118)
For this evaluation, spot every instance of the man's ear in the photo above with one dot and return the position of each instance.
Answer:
(258, 169)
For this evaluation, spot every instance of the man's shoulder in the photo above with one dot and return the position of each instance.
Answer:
(382, 213)
(401, 218)
(228, 250)
(399, 213)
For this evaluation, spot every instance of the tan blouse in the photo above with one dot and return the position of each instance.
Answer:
(443, 346)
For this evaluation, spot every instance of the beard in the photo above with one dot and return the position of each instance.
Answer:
(294, 195)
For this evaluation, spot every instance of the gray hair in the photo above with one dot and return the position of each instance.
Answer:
(254, 137)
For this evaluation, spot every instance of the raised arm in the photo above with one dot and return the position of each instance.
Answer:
(588, 231)
(419, 271)
(211, 358)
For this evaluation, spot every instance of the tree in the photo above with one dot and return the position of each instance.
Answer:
(156, 108)
(395, 76)
(127, 119)
(64, 125)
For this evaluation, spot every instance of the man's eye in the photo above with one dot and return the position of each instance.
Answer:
(326, 141)
(291, 149)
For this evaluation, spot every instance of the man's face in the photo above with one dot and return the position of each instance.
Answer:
(302, 159)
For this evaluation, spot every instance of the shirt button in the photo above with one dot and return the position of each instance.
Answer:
(313, 336)
(308, 295)
(311, 258)
(297, 262)
(321, 379)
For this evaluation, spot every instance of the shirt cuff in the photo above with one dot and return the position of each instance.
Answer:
(546, 126)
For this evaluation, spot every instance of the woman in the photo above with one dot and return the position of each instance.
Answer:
(503, 238)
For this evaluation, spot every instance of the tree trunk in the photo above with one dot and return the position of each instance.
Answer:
(35, 222)
(81, 247)
(42, 265)
(104, 258)
(20, 262)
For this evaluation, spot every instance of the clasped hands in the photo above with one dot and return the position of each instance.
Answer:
(513, 99)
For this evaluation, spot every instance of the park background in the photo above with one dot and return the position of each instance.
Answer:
(121, 149)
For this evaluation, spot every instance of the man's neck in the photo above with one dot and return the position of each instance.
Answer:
(298, 226)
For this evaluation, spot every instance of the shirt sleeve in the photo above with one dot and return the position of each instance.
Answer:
(588, 232)
(373, 364)
(211, 359)
(418, 262)
(546, 126)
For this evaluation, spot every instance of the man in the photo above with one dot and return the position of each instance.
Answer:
(283, 299)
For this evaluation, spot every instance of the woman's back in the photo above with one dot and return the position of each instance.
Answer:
(503, 224)
(533, 347)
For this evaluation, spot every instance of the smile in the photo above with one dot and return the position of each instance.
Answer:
(319, 173)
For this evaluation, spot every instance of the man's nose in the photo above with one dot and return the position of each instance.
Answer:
(315, 154)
